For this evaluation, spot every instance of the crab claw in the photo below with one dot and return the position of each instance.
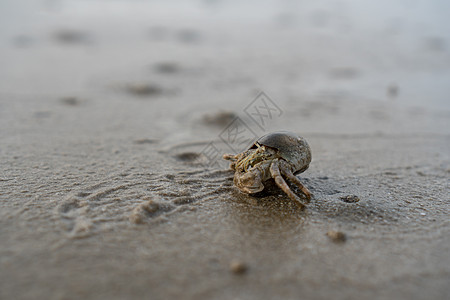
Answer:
(249, 183)
(227, 156)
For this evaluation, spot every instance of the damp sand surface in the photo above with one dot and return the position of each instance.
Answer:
(109, 189)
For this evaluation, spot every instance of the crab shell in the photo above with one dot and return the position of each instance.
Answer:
(292, 148)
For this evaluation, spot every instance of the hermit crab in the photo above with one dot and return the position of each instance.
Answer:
(273, 155)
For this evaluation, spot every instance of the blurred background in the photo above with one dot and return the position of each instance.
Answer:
(383, 50)
(192, 59)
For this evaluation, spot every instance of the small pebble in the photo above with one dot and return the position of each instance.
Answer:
(139, 89)
(145, 141)
(221, 118)
(238, 267)
(350, 199)
(72, 101)
(337, 236)
(190, 36)
(187, 156)
(392, 90)
(68, 36)
(167, 67)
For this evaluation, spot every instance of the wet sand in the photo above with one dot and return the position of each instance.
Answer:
(106, 190)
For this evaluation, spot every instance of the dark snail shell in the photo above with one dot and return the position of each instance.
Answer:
(292, 148)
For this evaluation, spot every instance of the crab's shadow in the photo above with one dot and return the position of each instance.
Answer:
(330, 200)
(272, 197)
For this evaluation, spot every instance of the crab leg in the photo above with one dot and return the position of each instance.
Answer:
(286, 172)
(229, 157)
(275, 172)
(232, 158)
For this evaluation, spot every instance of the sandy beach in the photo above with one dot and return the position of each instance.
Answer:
(114, 116)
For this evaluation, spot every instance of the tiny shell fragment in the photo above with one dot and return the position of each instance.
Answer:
(337, 236)
(238, 267)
